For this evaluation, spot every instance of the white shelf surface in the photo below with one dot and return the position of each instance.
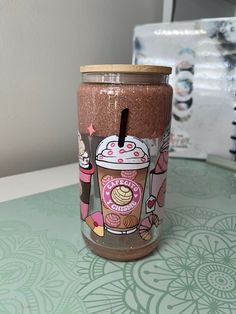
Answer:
(38, 181)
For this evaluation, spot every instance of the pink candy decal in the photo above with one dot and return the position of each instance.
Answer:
(97, 218)
(121, 195)
(130, 146)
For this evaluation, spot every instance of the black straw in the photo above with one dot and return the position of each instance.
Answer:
(123, 125)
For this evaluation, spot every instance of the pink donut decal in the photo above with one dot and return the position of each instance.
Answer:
(112, 220)
(106, 179)
(129, 174)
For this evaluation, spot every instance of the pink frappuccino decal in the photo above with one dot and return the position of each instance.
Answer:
(86, 171)
(122, 174)
(155, 203)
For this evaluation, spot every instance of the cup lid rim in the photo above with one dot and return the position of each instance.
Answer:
(126, 68)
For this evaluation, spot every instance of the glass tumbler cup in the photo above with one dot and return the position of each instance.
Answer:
(124, 114)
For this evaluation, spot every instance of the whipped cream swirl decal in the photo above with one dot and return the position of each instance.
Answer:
(122, 173)
(133, 155)
(84, 161)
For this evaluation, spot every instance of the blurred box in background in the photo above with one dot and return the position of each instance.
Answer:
(203, 56)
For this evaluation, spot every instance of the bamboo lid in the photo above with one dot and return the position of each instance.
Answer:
(126, 68)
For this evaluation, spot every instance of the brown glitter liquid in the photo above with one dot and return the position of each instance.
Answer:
(101, 100)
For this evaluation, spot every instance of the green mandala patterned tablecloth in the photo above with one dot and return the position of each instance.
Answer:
(46, 268)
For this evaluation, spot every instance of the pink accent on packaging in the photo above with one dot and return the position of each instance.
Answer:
(84, 208)
(162, 163)
(85, 174)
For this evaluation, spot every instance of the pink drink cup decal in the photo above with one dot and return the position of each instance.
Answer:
(122, 173)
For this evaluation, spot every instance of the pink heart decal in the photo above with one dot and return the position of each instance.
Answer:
(150, 203)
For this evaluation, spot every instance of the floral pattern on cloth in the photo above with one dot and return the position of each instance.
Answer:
(193, 271)
(46, 268)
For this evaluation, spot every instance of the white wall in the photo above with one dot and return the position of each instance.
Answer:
(42, 45)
